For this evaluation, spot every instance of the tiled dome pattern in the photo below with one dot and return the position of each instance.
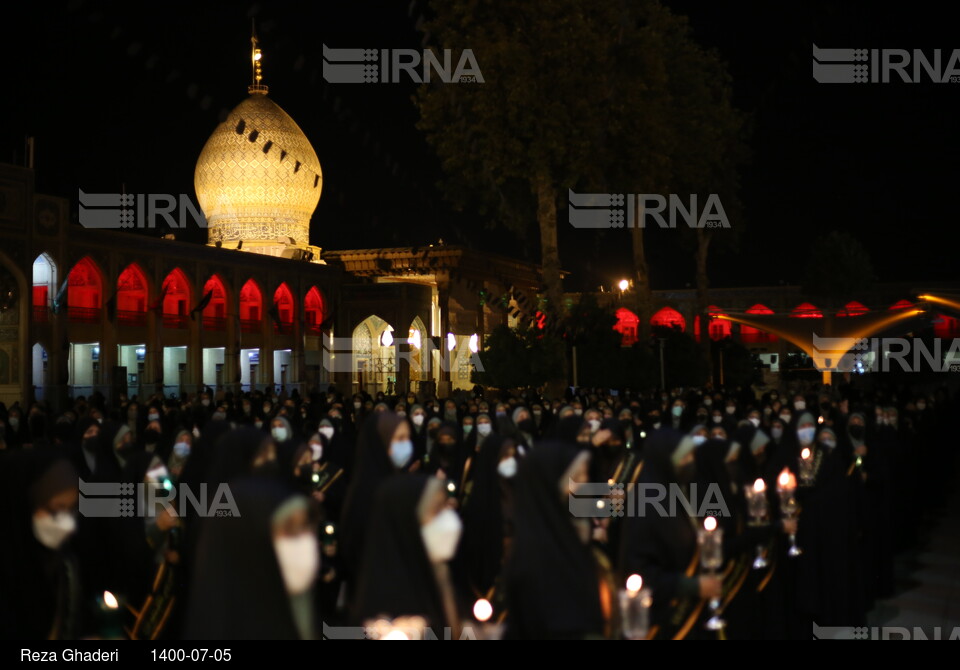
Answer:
(250, 195)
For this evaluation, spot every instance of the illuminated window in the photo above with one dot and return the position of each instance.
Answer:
(668, 317)
(627, 325)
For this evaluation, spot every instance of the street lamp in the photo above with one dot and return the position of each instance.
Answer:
(624, 285)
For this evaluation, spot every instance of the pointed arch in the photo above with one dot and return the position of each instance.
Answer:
(751, 335)
(215, 310)
(177, 299)
(314, 309)
(285, 308)
(251, 307)
(85, 292)
(132, 292)
(668, 317)
(44, 286)
(627, 325)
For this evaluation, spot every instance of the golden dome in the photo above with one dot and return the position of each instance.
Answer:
(257, 178)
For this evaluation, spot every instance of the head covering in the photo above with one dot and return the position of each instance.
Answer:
(480, 552)
(238, 592)
(397, 578)
(371, 467)
(551, 577)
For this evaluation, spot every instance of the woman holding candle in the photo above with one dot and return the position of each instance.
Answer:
(412, 535)
(662, 549)
(255, 572)
(551, 576)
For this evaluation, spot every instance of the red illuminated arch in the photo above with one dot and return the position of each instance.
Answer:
(251, 306)
(85, 291)
(806, 310)
(627, 325)
(751, 335)
(718, 328)
(853, 308)
(283, 300)
(215, 311)
(313, 309)
(176, 299)
(902, 304)
(132, 296)
(668, 317)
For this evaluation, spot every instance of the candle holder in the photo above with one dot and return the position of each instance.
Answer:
(635, 601)
(787, 488)
(806, 467)
(758, 508)
(710, 539)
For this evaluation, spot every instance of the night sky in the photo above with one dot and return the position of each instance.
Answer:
(116, 96)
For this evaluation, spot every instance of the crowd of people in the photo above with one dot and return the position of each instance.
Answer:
(275, 516)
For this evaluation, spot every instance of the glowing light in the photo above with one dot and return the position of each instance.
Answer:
(786, 480)
(805, 454)
(395, 635)
(634, 583)
(759, 486)
(315, 478)
(482, 610)
(386, 340)
(451, 341)
(414, 338)
(451, 487)
(474, 343)
(710, 524)
(110, 600)
(328, 529)
(624, 284)
(257, 55)
(600, 504)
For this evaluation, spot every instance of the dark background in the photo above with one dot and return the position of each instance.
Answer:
(125, 95)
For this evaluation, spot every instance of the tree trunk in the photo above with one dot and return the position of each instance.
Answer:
(703, 300)
(643, 295)
(550, 253)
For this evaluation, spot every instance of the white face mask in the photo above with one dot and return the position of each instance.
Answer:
(279, 433)
(507, 467)
(417, 419)
(153, 416)
(327, 431)
(299, 560)
(441, 536)
(181, 449)
(800, 405)
(805, 434)
(205, 402)
(484, 428)
(53, 530)
(400, 453)
(594, 425)
(317, 450)
(755, 421)
(699, 439)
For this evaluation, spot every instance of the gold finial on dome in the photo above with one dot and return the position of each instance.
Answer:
(256, 57)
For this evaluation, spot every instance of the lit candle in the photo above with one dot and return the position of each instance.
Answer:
(634, 584)
(759, 486)
(482, 610)
(710, 524)
(805, 454)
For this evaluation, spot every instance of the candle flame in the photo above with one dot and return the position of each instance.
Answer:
(482, 610)
(784, 479)
(710, 524)
(634, 583)
(759, 486)
(805, 454)
(328, 529)
(110, 600)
